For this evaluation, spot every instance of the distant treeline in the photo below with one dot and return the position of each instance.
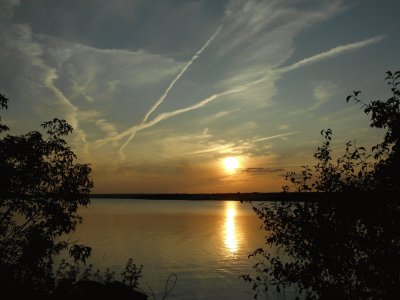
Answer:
(358, 197)
(184, 196)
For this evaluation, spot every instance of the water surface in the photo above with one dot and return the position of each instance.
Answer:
(205, 243)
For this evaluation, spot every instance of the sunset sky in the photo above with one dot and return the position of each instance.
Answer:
(161, 92)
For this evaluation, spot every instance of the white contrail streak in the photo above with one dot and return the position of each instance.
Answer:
(199, 104)
(167, 115)
(330, 53)
(171, 85)
(274, 136)
(309, 60)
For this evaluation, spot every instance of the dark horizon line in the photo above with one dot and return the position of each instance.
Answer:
(184, 196)
(251, 196)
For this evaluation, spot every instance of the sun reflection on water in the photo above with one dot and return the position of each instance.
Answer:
(231, 241)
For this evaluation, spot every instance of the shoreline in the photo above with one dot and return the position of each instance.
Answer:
(257, 196)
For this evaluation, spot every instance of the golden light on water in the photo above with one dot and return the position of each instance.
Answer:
(231, 241)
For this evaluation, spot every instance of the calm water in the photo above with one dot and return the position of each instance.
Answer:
(205, 243)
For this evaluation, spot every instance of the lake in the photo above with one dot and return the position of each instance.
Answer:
(205, 243)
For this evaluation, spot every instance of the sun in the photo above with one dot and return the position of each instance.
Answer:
(231, 164)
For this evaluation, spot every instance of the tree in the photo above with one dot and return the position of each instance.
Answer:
(41, 189)
(339, 244)
(385, 115)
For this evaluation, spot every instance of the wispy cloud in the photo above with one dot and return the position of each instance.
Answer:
(165, 116)
(240, 88)
(38, 76)
(272, 74)
(218, 115)
(106, 126)
(323, 92)
(261, 170)
(330, 53)
(274, 136)
(217, 148)
(171, 85)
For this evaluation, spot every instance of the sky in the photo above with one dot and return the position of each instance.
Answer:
(160, 93)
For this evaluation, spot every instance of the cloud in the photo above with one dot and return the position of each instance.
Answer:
(245, 21)
(33, 79)
(274, 136)
(218, 115)
(261, 170)
(167, 115)
(59, 74)
(240, 88)
(283, 126)
(105, 78)
(107, 127)
(221, 149)
(259, 35)
(7, 8)
(330, 53)
(73, 72)
(171, 85)
(107, 74)
(272, 73)
(322, 92)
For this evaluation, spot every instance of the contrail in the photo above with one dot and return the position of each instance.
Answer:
(274, 136)
(171, 85)
(309, 60)
(199, 104)
(170, 114)
(330, 53)
(167, 115)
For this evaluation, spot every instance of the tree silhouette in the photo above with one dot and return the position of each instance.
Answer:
(385, 115)
(41, 189)
(339, 244)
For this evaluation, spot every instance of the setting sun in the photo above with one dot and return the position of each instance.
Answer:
(231, 164)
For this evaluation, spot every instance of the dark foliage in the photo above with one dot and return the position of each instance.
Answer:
(3, 104)
(41, 188)
(341, 244)
(76, 280)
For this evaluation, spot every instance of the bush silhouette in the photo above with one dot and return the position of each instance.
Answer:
(339, 244)
(41, 189)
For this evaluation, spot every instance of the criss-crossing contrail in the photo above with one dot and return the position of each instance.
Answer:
(163, 116)
(306, 61)
(167, 115)
(171, 85)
